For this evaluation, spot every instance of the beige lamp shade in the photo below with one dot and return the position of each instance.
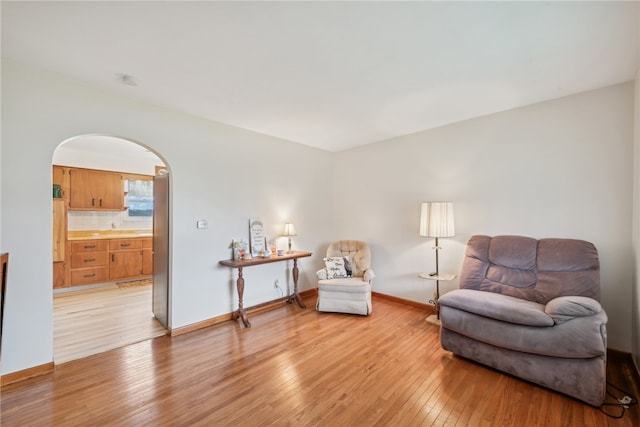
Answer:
(289, 230)
(436, 219)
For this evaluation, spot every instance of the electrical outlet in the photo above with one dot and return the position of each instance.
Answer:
(275, 286)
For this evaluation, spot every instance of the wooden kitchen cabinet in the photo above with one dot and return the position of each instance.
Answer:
(88, 275)
(59, 229)
(89, 245)
(61, 178)
(95, 190)
(59, 275)
(59, 242)
(125, 258)
(108, 260)
(89, 261)
(147, 257)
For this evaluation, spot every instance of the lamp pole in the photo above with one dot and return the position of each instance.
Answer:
(435, 301)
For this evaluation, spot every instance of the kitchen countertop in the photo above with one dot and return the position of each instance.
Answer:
(107, 234)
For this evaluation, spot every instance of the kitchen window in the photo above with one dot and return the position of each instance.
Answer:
(139, 199)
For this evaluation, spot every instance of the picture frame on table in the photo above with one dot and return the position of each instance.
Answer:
(240, 249)
(256, 237)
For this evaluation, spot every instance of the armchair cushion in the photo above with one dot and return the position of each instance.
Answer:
(563, 309)
(579, 339)
(345, 284)
(368, 276)
(497, 306)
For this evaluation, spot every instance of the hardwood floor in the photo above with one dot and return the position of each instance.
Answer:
(294, 367)
(92, 321)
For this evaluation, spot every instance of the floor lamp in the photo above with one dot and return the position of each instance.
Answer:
(436, 220)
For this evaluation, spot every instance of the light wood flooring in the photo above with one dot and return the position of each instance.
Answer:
(96, 320)
(295, 367)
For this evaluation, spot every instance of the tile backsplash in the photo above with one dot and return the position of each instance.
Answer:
(106, 220)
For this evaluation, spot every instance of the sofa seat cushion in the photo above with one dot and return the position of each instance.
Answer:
(497, 306)
(344, 284)
(579, 338)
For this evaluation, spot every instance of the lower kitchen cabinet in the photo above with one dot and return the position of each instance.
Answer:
(86, 276)
(104, 260)
(147, 257)
(58, 274)
(88, 260)
(125, 258)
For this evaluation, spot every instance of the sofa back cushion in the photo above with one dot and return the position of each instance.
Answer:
(535, 270)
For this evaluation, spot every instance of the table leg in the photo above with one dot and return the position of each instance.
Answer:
(296, 296)
(240, 313)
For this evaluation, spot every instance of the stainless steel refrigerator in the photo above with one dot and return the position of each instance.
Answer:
(161, 248)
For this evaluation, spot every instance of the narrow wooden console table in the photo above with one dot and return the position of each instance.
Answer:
(240, 264)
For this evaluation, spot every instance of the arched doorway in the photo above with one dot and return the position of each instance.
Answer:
(107, 298)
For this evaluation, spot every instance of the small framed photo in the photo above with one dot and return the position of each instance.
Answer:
(240, 248)
(256, 237)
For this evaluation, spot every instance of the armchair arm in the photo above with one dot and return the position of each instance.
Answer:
(322, 274)
(368, 275)
(563, 309)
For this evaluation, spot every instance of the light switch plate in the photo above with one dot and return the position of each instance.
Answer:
(201, 223)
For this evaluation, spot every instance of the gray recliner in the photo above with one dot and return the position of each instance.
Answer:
(531, 308)
(344, 285)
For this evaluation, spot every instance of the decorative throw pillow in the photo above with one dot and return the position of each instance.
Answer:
(347, 266)
(336, 266)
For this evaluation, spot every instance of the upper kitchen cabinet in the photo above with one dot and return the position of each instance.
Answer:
(95, 190)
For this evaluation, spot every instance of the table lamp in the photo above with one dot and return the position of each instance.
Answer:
(289, 230)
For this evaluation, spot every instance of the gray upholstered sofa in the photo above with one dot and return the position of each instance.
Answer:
(530, 308)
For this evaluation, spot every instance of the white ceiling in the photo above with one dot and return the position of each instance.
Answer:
(333, 75)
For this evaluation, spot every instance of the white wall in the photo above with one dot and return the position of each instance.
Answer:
(219, 173)
(562, 168)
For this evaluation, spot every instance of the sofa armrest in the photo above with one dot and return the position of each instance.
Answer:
(322, 274)
(503, 308)
(563, 309)
(368, 275)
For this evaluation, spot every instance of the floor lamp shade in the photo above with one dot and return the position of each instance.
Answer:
(436, 219)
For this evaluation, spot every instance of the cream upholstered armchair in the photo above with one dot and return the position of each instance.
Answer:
(344, 285)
